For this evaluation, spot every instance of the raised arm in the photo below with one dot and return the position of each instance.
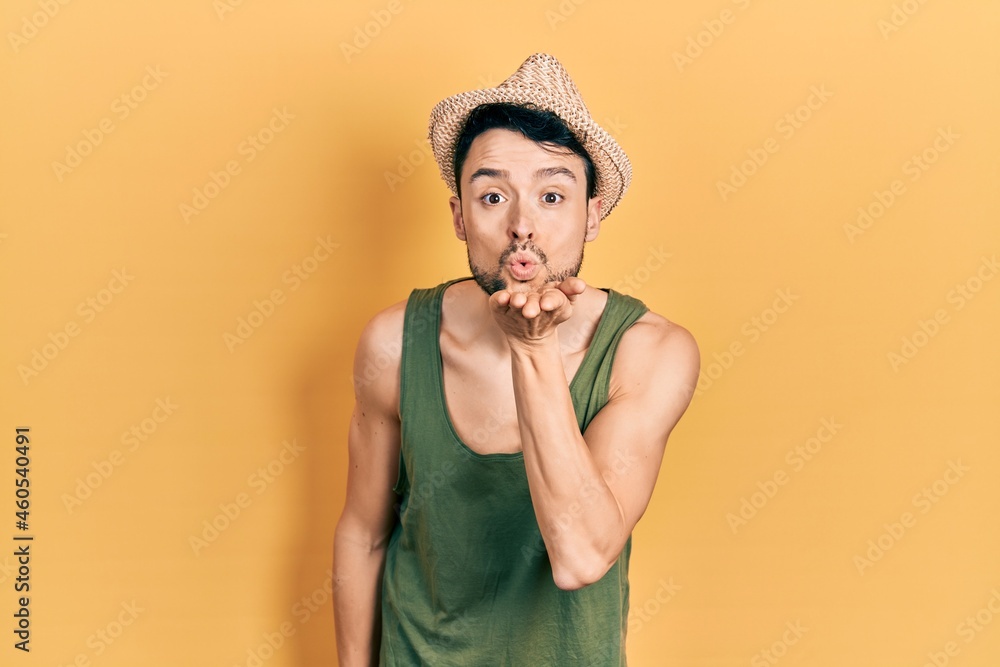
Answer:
(368, 517)
(589, 490)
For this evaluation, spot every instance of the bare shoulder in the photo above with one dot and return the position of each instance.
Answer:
(657, 353)
(377, 357)
(384, 326)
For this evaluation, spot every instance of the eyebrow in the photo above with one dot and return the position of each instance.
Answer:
(544, 172)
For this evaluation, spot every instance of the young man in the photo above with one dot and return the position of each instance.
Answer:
(518, 430)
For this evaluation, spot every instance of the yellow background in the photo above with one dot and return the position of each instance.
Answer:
(691, 90)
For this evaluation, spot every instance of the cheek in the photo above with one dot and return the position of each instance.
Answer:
(485, 236)
(483, 251)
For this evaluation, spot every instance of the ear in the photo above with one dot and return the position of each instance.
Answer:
(456, 217)
(593, 218)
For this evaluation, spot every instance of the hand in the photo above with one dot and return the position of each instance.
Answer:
(530, 317)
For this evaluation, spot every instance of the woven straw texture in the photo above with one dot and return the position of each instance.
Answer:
(541, 82)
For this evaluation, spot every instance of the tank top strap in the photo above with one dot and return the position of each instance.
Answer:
(589, 388)
(420, 362)
(420, 372)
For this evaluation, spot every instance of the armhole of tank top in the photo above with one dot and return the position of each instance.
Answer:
(638, 309)
(412, 303)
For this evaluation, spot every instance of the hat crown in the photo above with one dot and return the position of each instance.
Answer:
(543, 73)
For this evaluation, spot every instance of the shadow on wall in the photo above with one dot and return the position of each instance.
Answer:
(320, 408)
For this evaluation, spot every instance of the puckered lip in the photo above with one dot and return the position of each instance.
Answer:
(522, 258)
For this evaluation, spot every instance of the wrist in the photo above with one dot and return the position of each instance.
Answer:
(533, 347)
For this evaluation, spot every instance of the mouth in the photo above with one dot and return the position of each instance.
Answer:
(523, 266)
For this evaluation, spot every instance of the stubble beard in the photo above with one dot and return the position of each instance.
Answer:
(492, 281)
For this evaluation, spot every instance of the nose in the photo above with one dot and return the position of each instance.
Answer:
(522, 223)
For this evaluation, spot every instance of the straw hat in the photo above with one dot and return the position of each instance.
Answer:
(540, 82)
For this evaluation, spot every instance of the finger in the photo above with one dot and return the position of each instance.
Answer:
(501, 298)
(551, 300)
(531, 307)
(572, 287)
(518, 300)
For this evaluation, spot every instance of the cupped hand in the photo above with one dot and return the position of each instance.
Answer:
(527, 317)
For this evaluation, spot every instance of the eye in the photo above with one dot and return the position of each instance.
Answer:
(493, 198)
(552, 197)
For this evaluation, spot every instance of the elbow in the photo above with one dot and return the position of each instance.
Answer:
(586, 562)
(579, 572)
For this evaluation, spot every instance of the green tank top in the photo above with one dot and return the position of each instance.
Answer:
(467, 580)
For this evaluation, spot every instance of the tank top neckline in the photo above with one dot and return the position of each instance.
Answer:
(439, 371)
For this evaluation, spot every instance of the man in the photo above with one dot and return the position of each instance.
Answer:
(521, 423)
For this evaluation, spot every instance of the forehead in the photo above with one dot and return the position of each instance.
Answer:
(506, 149)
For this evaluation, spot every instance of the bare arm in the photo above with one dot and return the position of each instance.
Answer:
(368, 517)
(589, 490)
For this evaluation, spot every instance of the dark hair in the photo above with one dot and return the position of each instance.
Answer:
(542, 127)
